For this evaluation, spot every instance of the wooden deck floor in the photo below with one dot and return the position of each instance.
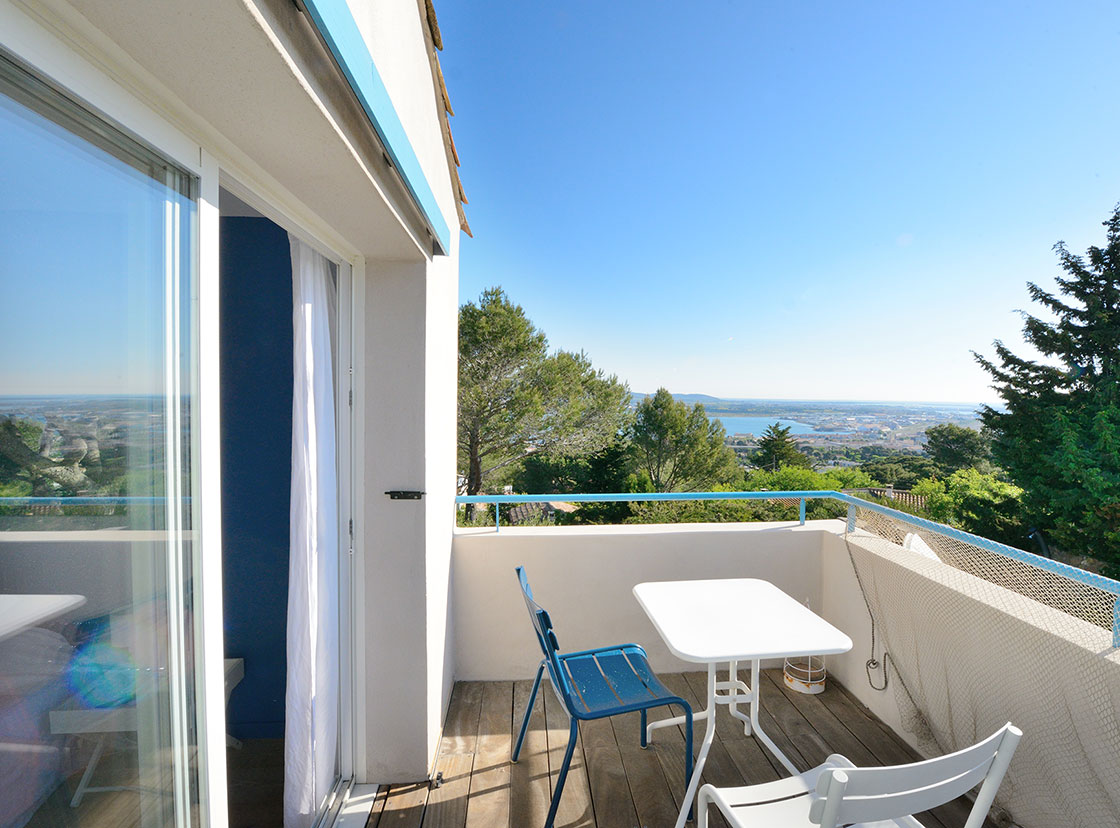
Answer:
(613, 783)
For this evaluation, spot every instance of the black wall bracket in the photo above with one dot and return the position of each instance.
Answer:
(403, 494)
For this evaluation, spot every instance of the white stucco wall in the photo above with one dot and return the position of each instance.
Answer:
(843, 606)
(441, 375)
(393, 531)
(584, 577)
(409, 438)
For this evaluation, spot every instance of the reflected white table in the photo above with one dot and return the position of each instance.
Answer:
(103, 721)
(728, 621)
(20, 612)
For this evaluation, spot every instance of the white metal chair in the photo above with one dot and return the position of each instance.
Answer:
(838, 793)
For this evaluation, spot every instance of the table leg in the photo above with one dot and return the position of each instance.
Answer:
(756, 675)
(702, 756)
(675, 720)
(733, 704)
(91, 766)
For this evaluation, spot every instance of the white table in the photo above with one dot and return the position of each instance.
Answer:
(728, 621)
(85, 720)
(19, 612)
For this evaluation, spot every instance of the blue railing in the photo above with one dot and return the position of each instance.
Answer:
(853, 503)
(84, 501)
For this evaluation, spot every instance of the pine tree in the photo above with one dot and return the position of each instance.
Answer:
(679, 448)
(1059, 437)
(776, 449)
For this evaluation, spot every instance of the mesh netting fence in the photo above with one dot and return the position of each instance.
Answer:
(971, 638)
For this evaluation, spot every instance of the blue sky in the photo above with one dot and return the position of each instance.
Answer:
(81, 262)
(787, 200)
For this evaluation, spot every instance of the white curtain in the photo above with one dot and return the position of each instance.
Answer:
(311, 698)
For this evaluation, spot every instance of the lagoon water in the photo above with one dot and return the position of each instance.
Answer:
(758, 425)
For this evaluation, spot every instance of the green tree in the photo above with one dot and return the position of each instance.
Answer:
(977, 503)
(953, 447)
(611, 470)
(799, 478)
(679, 448)
(1059, 435)
(516, 400)
(776, 449)
(901, 471)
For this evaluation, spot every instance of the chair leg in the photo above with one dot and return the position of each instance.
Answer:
(688, 752)
(702, 800)
(563, 775)
(528, 713)
(643, 742)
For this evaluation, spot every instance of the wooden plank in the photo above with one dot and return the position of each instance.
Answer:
(488, 802)
(752, 759)
(649, 787)
(460, 727)
(836, 737)
(447, 804)
(610, 792)
(789, 729)
(529, 790)
(404, 806)
(866, 726)
(575, 808)
(378, 806)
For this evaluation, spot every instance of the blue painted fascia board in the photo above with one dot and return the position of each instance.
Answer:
(340, 32)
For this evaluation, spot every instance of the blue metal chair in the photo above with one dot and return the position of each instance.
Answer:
(595, 684)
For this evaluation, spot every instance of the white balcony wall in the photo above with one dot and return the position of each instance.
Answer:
(844, 607)
(584, 576)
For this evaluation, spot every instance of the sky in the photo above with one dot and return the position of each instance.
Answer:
(793, 200)
(81, 262)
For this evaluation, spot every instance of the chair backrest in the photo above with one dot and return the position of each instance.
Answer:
(851, 795)
(546, 635)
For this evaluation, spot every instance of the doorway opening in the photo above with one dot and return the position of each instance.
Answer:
(261, 377)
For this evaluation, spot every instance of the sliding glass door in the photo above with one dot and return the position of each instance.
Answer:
(97, 278)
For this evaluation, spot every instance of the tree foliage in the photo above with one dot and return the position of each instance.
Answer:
(679, 448)
(610, 470)
(776, 449)
(799, 478)
(516, 400)
(953, 447)
(977, 503)
(1059, 435)
(901, 471)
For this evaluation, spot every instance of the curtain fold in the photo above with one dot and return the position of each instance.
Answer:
(311, 694)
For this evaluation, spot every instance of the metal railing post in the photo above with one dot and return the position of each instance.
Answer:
(1116, 623)
(497, 517)
(802, 512)
(851, 517)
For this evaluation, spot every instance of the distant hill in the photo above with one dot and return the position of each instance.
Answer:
(690, 399)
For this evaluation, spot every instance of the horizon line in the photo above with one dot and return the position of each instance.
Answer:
(820, 399)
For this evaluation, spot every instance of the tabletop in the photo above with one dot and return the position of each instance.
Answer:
(735, 619)
(18, 612)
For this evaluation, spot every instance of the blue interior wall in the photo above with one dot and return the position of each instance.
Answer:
(256, 364)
